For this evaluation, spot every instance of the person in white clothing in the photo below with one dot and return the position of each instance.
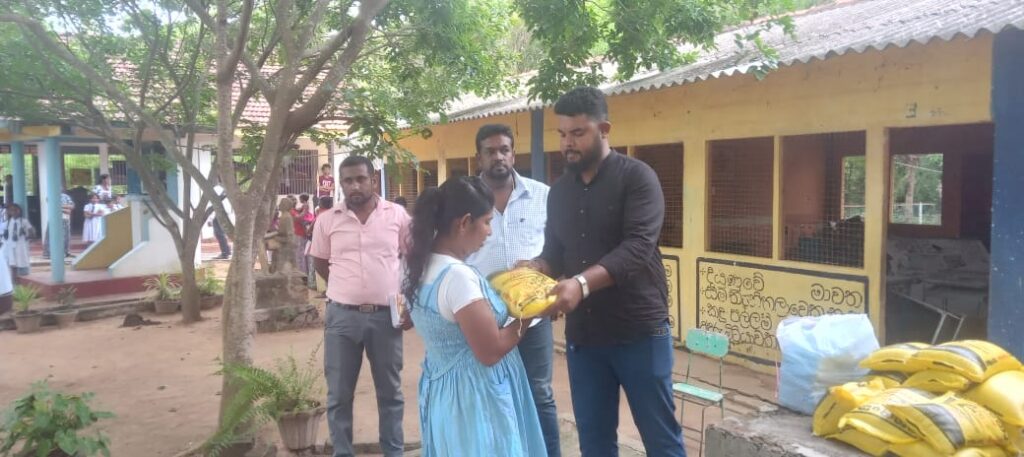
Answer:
(92, 229)
(103, 189)
(15, 240)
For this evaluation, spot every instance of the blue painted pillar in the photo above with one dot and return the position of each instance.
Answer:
(172, 184)
(538, 160)
(1006, 288)
(18, 164)
(51, 149)
(134, 182)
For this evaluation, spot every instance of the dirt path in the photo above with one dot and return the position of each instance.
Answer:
(159, 380)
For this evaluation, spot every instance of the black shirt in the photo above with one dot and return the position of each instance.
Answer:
(614, 221)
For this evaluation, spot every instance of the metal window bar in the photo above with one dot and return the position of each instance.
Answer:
(667, 162)
(740, 196)
(821, 174)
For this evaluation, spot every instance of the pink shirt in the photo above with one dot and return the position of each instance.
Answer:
(364, 261)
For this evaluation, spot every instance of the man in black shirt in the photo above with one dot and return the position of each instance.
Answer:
(604, 219)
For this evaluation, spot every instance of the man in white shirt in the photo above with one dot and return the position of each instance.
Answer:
(517, 233)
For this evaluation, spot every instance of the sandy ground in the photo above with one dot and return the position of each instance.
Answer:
(160, 382)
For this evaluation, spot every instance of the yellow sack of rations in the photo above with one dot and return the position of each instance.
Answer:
(923, 449)
(1015, 438)
(938, 381)
(975, 359)
(839, 401)
(893, 358)
(950, 423)
(1003, 394)
(860, 440)
(889, 379)
(874, 418)
(525, 291)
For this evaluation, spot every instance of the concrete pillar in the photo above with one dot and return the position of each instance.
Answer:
(104, 159)
(18, 164)
(1006, 310)
(538, 160)
(51, 195)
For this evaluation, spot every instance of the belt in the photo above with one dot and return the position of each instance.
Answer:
(368, 308)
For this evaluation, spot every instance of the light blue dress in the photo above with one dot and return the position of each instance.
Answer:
(467, 408)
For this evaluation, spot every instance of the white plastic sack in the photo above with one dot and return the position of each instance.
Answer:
(821, 352)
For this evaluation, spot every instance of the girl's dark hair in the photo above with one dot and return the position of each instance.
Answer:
(102, 178)
(435, 212)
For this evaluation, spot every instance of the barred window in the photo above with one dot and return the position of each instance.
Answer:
(823, 198)
(429, 168)
(740, 196)
(458, 167)
(667, 162)
(401, 182)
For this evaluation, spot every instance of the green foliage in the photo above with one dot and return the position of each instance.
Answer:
(66, 296)
(264, 395)
(44, 421)
(24, 296)
(917, 189)
(163, 286)
(210, 286)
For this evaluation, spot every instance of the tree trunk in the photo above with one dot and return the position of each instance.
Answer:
(908, 199)
(189, 292)
(239, 297)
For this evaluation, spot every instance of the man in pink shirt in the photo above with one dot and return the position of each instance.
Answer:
(357, 246)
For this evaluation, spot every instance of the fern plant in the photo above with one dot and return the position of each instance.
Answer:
(266, 394)
(66, 297)
(210, 286)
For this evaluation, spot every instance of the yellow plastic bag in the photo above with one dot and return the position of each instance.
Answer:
(889, 379)
(938, 381)
(860, 440)
(975, 359)
(1015, 438)
(893, 358)
(917, 448)
(989, 451)
(874, 418)
(839, 401)
(525, 291)
(949, 423)
(1003, 394)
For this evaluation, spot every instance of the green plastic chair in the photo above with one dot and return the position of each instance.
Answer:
(711, 344)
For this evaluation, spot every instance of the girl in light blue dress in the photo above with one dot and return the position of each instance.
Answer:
(474, 397)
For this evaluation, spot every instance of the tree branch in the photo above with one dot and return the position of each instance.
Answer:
(305, 115)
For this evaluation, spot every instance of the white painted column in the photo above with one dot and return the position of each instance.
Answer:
(104, 159)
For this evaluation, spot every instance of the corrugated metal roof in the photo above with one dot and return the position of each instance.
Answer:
(821, 33)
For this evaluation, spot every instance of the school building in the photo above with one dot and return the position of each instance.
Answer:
(878, 170)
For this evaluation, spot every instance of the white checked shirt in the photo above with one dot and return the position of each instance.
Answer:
(518, 234)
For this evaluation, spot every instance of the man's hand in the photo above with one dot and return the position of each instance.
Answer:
(568, 295)
(405, 323)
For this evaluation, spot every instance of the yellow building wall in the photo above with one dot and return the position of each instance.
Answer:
(920, 85)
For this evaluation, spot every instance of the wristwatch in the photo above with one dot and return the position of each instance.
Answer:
(583, 285)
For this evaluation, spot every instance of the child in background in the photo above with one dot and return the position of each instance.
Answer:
(16, 235)
(92, 228)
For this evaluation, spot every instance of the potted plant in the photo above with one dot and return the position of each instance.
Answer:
(288, 393)
(66, 313)
(166, 293)
(211, 292)
(26, 320)
(48, 423)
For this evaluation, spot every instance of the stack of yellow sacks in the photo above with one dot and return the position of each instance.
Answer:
(525, 291)
(962, 399)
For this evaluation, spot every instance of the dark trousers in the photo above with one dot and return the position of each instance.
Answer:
(643, 369)
(537, 351)
(222, 240)
(347, 334)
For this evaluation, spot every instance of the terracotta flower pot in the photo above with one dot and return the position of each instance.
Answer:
(299, 430)
(166, 306)
(28, 322)
(65, 318)
(210, 301)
